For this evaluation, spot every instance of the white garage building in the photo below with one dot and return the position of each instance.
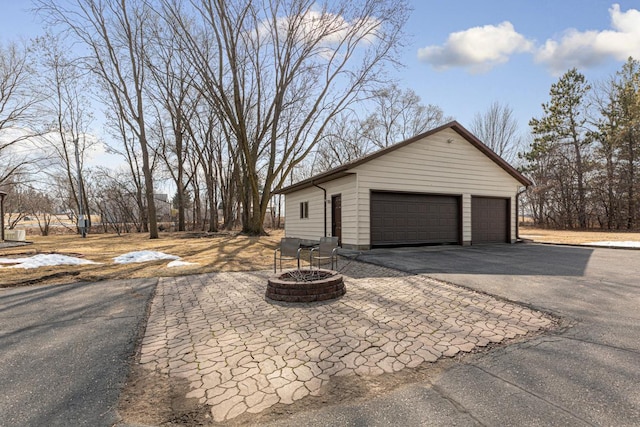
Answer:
(441, 187)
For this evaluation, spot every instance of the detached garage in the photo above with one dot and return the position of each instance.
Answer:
(441, 187)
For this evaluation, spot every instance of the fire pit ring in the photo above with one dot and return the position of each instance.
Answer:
(306, 286)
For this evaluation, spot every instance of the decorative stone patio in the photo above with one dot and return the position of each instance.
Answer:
(242, 353)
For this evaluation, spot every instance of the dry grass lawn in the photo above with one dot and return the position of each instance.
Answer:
(576, 237)
(215, 252)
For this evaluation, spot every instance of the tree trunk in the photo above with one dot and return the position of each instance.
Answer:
(148, 190)
(581, 208)
(610, 194)
(142, 209)
(631, 202)
(213, 214)
(196, 219)
(230, 198)
(582, 212)
(211, 199)
(180, 203)
(246, 215)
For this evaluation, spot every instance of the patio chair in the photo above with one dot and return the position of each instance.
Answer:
(326, 250)
(289, 250)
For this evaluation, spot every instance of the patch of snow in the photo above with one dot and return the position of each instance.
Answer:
(178, 263)
(142, 256)
(48, 260)
(44, 260)
(12, 260)
(624, 244)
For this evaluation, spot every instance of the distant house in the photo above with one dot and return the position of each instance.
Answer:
(441, 187)
(163, 207)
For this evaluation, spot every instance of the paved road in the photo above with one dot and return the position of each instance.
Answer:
(587, 373)
(64, 350)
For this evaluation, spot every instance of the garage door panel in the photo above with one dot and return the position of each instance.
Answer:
(489, 220)
(403, 218)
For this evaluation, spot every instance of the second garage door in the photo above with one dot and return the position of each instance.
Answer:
(489, 220)
(414, 219)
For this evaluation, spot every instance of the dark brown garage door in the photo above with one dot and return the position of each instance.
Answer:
(414, 219)
(489, 220)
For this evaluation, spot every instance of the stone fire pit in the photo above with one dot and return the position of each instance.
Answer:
(306, 286)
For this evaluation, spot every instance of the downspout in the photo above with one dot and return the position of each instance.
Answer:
(517, 211)
(2, 194)
(324, 190)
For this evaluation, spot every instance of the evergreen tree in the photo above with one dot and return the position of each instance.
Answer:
(562, 132)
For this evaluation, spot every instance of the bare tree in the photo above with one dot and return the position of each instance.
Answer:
(174, 107)
(399, 115)
(497, 127)
(40, 205)
(114, 198)
(209, 146)
(342, 143)
(130, 152)
(18, 101)
(276, 72)
(16, 204)
(68, 106)
(112, 32)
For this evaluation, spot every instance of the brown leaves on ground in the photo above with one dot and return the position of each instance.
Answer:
(211, 251)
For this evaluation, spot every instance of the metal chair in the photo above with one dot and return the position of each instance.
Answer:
(326, 250)
(289, 250)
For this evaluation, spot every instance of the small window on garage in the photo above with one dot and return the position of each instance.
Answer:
(304, 210)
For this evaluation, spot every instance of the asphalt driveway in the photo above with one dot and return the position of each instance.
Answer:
(64, 350)
(586, 373)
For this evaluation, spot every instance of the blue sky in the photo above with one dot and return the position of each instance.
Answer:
(536, 42)
(466, 54)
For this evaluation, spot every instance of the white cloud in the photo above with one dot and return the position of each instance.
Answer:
(583, 49)
(326, 30)
(333, 28)
(481, 48)
(31, 145)
(478, 48)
